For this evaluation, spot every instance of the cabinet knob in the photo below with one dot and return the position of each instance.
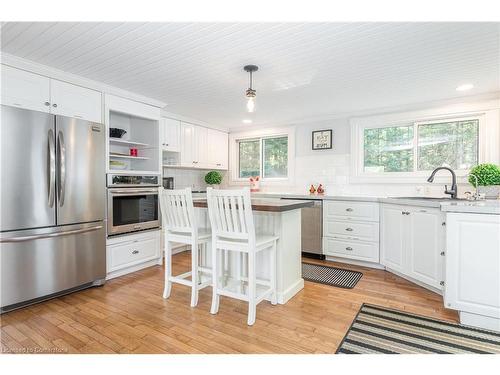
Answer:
(442, 253)
(135, 252)
(348, 248)
(166, 144)
(349, 229)
(349, 209)
(46, 104)
(54, 105)
(441, 283)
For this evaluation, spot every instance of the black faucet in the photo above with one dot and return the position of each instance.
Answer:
(453, 191)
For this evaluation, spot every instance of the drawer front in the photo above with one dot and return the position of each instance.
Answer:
(368, 211)
(365, 231)
(366, 251)
(133, 252)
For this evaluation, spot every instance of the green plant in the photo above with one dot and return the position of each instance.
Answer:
(213, 178)
(487, 174)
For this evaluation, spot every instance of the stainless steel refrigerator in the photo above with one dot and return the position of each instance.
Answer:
(52, 238)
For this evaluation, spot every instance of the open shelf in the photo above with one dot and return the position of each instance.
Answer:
(122, 142)
(128, 157)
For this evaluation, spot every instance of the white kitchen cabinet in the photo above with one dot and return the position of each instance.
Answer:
(75, 101)
(188, 145)
(392, 237)
(203, 148)
(39, 93)
(473, 268)
(351, 230)
(217, 149)
(129, 253)
(412, 242)
(171, 135)
(25, 90)
(426, 245)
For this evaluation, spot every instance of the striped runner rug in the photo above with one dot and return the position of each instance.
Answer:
(330, 275)
(377, 330)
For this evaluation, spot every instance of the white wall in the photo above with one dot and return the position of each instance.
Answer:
(332, 168)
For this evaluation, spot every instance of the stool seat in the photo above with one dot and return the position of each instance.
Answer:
(262, 242)
(204, 235)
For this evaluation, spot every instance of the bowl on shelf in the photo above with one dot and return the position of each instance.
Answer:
(117, 165)
(116, 132)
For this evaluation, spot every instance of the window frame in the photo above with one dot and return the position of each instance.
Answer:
(485, 145)
(235, 138)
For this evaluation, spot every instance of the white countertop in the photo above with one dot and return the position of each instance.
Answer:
(444, 203)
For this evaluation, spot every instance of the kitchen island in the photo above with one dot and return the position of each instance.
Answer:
(277, 217)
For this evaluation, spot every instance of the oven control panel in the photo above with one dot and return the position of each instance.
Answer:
(120, 180)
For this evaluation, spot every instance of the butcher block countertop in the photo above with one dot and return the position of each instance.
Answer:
(266, 204)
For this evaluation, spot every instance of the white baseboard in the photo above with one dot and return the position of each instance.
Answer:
(291, 291)
(124, 271)
(481, 321)
(355, 262)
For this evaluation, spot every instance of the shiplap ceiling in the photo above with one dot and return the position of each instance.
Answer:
(306, 70)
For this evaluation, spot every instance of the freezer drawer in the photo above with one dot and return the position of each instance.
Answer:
(38, 263)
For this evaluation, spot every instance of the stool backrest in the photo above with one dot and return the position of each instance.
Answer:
(230, 214)
(177, 210)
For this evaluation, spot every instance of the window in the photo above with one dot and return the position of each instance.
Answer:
(249, 157)
(265, 157)
(388, 149)
(453, 143)
(421, 146)
(275, 157)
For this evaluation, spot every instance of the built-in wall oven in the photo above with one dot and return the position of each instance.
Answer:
(132, 203)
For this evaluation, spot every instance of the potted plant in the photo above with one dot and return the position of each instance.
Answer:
(213, 178)
(488, 179)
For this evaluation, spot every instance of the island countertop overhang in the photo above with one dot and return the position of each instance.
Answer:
(266, 204)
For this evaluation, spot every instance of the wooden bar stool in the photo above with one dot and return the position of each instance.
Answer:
(233, 230)
(180, 225)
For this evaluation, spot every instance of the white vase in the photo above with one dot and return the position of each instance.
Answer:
(490, 192)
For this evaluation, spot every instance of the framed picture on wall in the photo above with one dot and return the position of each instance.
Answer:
(322, 139)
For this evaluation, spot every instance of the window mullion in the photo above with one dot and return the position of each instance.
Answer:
(415, 147)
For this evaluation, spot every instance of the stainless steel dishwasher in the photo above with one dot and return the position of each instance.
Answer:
(312, 228)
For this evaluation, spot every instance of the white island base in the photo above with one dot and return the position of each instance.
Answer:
(287, 226)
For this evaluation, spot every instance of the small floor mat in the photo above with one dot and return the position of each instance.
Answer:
(330, 275)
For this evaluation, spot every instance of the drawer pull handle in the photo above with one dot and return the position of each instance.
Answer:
(349, 229)
(349, 209)
(348, 248)
(135, 252)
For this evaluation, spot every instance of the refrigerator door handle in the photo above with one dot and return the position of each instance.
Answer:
(52, 168)
(62, 167)
(50, 235)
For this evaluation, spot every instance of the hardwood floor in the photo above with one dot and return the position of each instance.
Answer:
(129, 315)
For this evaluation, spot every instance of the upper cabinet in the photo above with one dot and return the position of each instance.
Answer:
(25, 90)
(75, 101)
(39, 93)
(203, 148)
(217, 149)
(171, 135)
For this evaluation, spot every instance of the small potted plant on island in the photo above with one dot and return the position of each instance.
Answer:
(213, 178)
(488, 179)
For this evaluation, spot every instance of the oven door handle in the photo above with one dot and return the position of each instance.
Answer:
(133, 191)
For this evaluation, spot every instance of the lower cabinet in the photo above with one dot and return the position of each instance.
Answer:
(352, 249)
(473, 268)
(412, 242)
(132, 252)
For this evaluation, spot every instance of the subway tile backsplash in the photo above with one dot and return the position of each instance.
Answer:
(183, 178)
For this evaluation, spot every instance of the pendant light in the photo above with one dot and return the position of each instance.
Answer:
(250, 93)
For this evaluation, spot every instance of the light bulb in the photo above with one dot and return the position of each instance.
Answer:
(251, 105)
